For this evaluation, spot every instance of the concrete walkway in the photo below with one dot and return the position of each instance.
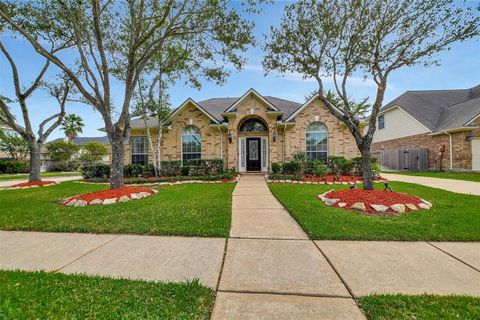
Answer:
(7, 183)
(458, 186)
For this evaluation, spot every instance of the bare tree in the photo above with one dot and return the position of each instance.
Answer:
(115, 40)
(323, 40)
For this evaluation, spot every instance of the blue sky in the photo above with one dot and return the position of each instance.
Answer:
(460, 68)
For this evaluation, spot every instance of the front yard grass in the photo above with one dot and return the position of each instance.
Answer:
(467, 176)
(43, 174)
(182, 210)
(454, 217)
(423, 307)
(40, 295)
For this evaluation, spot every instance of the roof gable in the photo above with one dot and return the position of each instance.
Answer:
(303, 106)
(175, 112)
(234, 106)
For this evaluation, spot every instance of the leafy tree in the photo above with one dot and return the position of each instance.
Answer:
(55, 40)
(61, 151)
(336, 40)
(13, 145)
(116, 40)
(92, 152)
(72, 125)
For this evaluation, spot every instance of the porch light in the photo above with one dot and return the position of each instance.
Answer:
(230, 138)
(274, 136)
(469, 137)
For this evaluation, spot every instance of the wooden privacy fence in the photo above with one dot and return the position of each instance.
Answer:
(404, 159)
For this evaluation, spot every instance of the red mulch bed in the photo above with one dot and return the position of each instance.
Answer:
(111, 193)
(386, 198)
(331, 178)
(33, 183)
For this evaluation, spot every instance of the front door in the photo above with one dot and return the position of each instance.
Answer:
(253, 154)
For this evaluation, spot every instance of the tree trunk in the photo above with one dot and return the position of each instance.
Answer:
(159, 148)
(35, 161)
(367, 172)
(117, 142)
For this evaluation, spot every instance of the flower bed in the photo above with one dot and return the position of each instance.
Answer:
(33, 184)
(374, 201)
(108, 196)
(329, 179)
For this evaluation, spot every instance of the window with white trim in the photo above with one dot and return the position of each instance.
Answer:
(139, 152)
(191, 143)
(317, 141)
(381, 122)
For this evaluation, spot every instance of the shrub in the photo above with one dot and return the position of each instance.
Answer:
(92, 152)
(276, 168)
(291, 167)
(170, 168)
(133, 170)
(300, 157)
(320, 170)
(202, 167)
(66, 166)
(97, 171)
(357, 167)
(310, 166)
(339, 165)
(377, 171)
(11, 166)
(185, 170)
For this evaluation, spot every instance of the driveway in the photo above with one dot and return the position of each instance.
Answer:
(458, 186)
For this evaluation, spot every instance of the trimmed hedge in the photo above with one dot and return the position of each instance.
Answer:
(223, 176)
(174, 168)
(11, 166)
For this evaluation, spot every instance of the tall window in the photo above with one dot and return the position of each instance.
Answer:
(139, 150)
(381, 122)
(317, 141)
(191, 143)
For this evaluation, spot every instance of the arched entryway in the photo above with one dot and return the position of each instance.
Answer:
(253, 145)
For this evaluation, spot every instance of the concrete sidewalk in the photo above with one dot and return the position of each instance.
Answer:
(458, 186)
(7, 183)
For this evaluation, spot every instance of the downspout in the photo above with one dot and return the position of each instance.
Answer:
(283, 143)
(450, 149)
(221, 142)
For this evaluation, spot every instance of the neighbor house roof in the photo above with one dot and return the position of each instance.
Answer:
(82, 140)
(439, 110)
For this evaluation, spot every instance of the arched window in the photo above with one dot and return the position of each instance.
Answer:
(253, 125)
(191, 143)
(317, 141)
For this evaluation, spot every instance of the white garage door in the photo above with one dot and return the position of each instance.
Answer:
(476, 154)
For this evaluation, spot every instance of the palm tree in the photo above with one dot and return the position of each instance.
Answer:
(72, 125)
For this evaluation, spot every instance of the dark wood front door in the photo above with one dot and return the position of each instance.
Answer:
(253, 154)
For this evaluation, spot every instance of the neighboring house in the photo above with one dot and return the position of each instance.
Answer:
(79, 141)
(437, 120)
(249, 133)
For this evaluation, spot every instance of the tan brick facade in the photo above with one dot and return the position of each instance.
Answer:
(215, 141)
(461, 148)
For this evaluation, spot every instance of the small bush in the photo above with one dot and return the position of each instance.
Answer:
(357, 167)
(320, 170)
(66, 166)
(291, 167)
(276, 168)
(202, 167)
(97, 171)
(170, 168)
(185, 170)
(339, 165)
(11, 166)
(310, 166)
(133, 170)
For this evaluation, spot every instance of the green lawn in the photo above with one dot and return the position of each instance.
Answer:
(454, 217)
(40, 295)
(44, 175)
(423, 307)
(187, 210)
(467, 176)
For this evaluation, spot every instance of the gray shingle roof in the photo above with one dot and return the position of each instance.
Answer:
(82, 140)
(440, 110)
